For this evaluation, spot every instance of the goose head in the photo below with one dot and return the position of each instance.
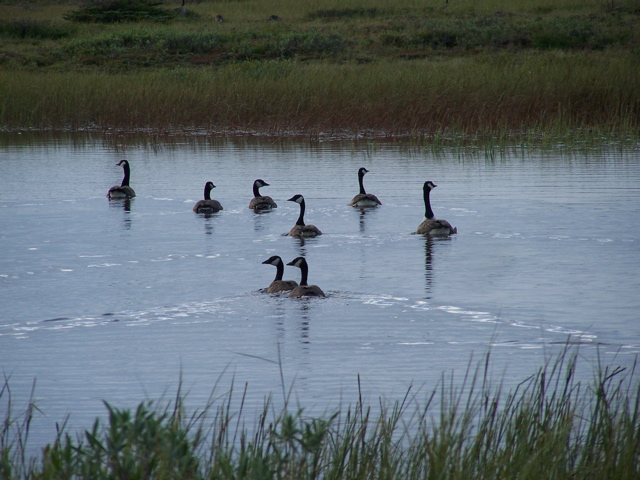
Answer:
(297, 198)
(274, 260)
(299, 262)
(429, 185)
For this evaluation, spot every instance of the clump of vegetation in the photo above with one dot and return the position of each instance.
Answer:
(35, 29)
(341, 13)
(313, 43)
(116, 11)
(550, 426)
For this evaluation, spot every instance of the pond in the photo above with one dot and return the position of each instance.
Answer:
(123, 300)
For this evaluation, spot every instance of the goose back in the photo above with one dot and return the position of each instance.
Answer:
(123, 190)
(431, 225)
(261, 203)
(304, 289)
(364, 199)
(300, 229)
(208, 205)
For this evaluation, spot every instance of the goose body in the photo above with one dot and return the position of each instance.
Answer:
(304, 289)
(364, 199)
(432, 226)
(207, 205)
(300, 229)
(261, 203)
(124, 190)
(279, 285)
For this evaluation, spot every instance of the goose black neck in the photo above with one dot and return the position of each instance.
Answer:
(127, 174)
(279, 271)
(256, 189)
(428, 213)
(360, 181)
(207, 192)
(301, 217)
(304, 270)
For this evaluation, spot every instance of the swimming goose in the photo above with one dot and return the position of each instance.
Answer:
(364, 199)
(124, 190)
(261, 203)
(432, 226)
(207, 205)
(279, 285)
(300, 229)
(304, 290)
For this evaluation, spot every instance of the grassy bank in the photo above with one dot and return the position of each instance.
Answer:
(392, 67)
(550, 427)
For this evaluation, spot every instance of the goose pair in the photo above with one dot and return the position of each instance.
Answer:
(430, 226)
(363, 199)
(303, 289)
(258, 203)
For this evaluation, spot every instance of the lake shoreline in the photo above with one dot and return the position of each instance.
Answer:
(391, 71)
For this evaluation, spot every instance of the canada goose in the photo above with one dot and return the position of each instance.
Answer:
(124, 190)
(219, 18)
(364, 199)
(279, 285)
(304, 290)
(261, 203)
(274, 18)
(432, 226)
(207, 205)
(300, 229)
(181, 10)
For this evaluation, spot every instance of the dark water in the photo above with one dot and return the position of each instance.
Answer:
(113, 300)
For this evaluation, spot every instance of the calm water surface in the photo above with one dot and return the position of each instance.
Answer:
(112, 300)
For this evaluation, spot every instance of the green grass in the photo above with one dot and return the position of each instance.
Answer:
(551, 426)
(391, 67)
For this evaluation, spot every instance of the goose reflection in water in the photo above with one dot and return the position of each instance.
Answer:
(300, 244)
(428, 266)
(431, 244)
(362, 213)
(208, 223)
(301, 330)
(303, 322)
(125, 205)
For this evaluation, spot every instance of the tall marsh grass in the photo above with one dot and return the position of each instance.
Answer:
(550, 426)
(555, 93)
